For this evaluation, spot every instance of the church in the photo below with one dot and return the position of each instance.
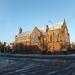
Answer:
(53, 39)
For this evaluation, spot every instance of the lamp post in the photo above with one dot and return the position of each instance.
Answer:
(4, 46)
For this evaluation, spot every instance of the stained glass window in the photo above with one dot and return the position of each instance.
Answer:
(35, 37)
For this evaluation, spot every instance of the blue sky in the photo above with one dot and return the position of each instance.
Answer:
(30, 13)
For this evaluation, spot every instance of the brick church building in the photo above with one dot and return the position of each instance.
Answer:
(53, 39)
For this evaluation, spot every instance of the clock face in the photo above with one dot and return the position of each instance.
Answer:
(35, 37)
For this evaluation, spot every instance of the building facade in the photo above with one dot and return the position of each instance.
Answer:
(58, 38)
(37, 38)
(53, 39)
(23, 37)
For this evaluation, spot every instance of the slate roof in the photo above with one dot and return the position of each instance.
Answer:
(56, 26)
(27, 33)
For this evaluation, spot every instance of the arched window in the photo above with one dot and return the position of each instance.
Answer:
(50, 38)
(58, 37)
(35, 37)
(47, 38)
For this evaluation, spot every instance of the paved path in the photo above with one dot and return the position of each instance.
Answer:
(30, 66)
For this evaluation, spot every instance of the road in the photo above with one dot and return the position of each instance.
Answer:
(34, 66)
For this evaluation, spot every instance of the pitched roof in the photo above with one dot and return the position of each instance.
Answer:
(27, 33)
(37, 29)
(42, 30)
(56, 26)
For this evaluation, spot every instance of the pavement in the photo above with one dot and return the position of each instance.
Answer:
(34, 66)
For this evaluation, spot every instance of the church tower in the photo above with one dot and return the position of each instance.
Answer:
(20, 30)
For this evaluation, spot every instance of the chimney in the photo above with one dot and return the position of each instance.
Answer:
(47, 28)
